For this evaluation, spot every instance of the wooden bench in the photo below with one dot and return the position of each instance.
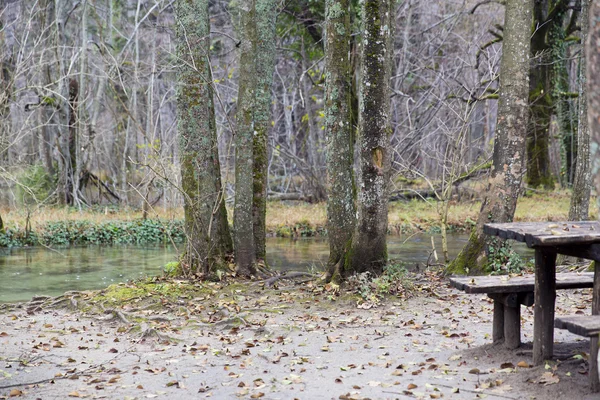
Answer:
(509, 293)
(589, 326)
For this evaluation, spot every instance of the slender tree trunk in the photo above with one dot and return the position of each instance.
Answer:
(204, 206)
(242, 214)
(540, 98)
(580, 199)
(341, 192)
(266, 12)
(509, 159)
(547, 52)
(369, 247)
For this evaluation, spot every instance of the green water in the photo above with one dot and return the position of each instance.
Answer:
(28, 272)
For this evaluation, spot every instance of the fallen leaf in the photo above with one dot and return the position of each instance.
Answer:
(411, 386)
(74, 394)
(15, 393)
(522, 364)
(548, 378)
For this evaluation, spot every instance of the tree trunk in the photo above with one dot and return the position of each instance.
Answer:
(208, 237)
(580, 199)
(369, 248)
(508, 161)
(562, 104)
(547, 52)
(341, 192)
(592, 54)
(540, 100)
(242, 214)
(266, 13)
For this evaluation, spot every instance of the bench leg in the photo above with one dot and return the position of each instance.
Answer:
(512, 327)
(498, 323)
(593, 362)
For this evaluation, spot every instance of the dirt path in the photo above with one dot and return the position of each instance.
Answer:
(285, 343)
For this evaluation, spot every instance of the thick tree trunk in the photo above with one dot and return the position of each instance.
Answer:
(592, 48)
(508, 161)
(341, 192)
(208, 238)
(580, 199)
(266, 12)
(369, 247)
(242, 214)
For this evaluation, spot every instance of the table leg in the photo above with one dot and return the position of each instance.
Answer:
(543, 311)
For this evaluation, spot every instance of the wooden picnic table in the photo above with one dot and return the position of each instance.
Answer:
(578, 239)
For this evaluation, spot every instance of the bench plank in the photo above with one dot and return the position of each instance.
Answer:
(517, 284)
(582, 325)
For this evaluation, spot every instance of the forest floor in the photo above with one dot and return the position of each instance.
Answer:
(292, 340)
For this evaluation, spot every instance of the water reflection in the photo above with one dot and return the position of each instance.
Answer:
(40, 271)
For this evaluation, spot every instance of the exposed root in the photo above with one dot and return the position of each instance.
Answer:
(289, 275)
(112, 314)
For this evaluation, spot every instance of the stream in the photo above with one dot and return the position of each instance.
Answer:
(28, 272)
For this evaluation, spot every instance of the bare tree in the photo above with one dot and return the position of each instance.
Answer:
(341, 194)
(369, 247)
(508, 162)
(242, 215)
(205, 216)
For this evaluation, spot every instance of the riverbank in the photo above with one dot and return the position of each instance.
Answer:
(174, 339)
(109, 225)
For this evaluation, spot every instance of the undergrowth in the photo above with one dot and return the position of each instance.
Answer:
(64, 233)
(395, 281)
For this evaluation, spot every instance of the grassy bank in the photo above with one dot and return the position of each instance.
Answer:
(104, 225)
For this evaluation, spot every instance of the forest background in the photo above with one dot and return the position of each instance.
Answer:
(88, 101)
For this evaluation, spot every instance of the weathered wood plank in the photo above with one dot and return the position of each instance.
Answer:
(537, 234)
(582, 325)
(519, 284)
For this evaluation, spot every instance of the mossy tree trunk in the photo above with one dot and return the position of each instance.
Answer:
(208, 238)
(562, 102)
(369, 248)
(341, 208)
(580, 199)
(242, 214)
(592, 54)
(547, 45)
(266, 12)
(509, 146)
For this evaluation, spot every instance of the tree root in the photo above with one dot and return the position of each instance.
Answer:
(289, 275)
(112, 314)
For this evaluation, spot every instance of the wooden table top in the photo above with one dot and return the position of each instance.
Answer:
(539, 234)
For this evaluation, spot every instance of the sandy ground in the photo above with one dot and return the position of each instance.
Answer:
(287, 343)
